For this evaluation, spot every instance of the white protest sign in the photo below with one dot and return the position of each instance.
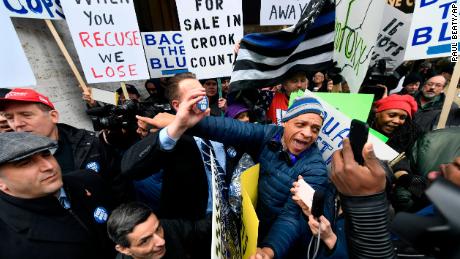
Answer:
(104, 96)
(107, 39)
(392, 38)
(336, 127)
(15, 69)
(165, 53)
(281, 12)
(430, 32)
(40, 9)
(356, 28)
(210, 28)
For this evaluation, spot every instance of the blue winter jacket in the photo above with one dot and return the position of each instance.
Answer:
(281, 220)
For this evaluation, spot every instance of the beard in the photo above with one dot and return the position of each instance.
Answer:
(429, 95)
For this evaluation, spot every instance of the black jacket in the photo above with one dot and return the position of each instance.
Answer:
(427, 116)
(42, 228)
(181, 238)
(184, 193)
(89, 152)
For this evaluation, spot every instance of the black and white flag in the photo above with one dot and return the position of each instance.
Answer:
(264, 59)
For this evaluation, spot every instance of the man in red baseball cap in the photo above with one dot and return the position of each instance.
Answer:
(29, 111)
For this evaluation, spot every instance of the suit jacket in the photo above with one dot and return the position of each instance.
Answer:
(184, 193)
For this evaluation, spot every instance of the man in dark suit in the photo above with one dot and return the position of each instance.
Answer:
(45, 215)
(186, 190)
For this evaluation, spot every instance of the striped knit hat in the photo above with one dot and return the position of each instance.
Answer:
(302, 105)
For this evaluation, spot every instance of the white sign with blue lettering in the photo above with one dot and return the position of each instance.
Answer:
(336, 127)
(165, 53)
(430, 33)
(40, 9)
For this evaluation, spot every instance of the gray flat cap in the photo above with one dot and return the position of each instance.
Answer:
(15, 146)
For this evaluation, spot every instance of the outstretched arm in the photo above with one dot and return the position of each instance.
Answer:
(362, 190)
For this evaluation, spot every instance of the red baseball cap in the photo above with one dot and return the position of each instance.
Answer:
(26, 95)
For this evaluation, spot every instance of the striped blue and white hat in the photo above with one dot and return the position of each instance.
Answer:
(302, 105)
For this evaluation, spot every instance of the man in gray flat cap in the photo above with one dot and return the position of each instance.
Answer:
(42, 214)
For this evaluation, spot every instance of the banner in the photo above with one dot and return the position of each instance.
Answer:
(392, 38)
(356, 29)
(165, 53)
(40, 9)
(430, 32)
(15, 69)
(336, 127)
(210, 29)
(107, 39)
(281, 12)
(250, 222)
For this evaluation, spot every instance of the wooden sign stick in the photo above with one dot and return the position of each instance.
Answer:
(450, 95)
(67, 56)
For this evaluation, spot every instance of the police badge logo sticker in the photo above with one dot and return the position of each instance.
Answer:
(231, 152)
(100, 215)
(203, 104)
(93, 166)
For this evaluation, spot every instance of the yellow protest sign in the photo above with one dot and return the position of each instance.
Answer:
(250, 222)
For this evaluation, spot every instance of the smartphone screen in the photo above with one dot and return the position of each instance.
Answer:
(359, 132)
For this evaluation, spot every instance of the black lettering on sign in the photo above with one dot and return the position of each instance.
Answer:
(97, 19)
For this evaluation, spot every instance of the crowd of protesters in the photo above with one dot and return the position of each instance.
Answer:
(140, 186)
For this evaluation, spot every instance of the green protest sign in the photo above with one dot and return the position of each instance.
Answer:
(355, 106)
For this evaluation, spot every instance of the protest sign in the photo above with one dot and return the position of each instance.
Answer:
(336, 127)
(355, 106)
(40, 9)
(392, 38)
(107, 39)
(165, 53)
(15, 69)
(104, 96)
(224, 228)
(356, 27)
(430, 32)
(284, 12)
(211, 29)
(250, 222)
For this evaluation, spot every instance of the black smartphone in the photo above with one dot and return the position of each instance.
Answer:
(358, 137)
(317, 206)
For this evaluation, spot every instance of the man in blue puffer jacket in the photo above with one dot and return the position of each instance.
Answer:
(284, 153)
